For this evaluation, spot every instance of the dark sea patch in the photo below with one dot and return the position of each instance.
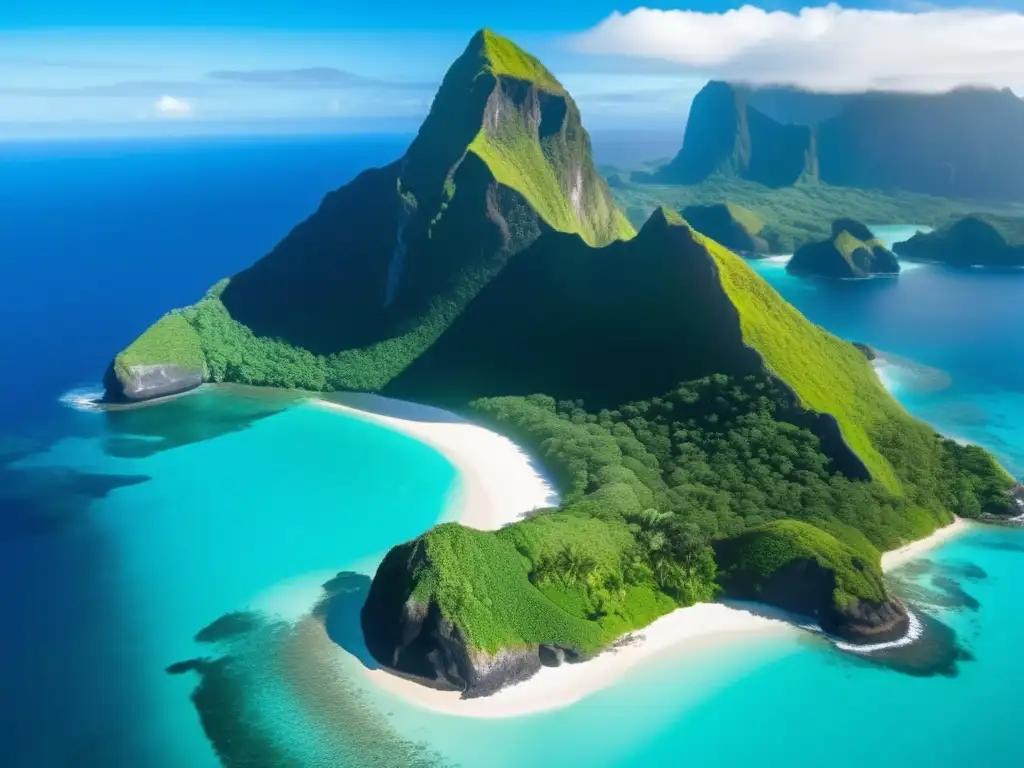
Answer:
(320, 717)
(45, 500)
(228, 626)
(935, 652)
(205, 415)
(932, 586)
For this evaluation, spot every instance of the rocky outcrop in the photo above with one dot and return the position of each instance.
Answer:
(851, 251)
(408, 634)
(135, 383)
(806, 588)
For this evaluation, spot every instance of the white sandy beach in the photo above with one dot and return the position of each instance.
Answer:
(501, 483)
(897, 557)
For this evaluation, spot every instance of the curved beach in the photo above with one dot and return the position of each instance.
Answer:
(501, 483)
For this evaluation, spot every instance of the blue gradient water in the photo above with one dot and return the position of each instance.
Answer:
(123, 536)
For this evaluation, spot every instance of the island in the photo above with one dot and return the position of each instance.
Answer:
(737, 228)
(972, 241)
(851, 251)
(706, 439)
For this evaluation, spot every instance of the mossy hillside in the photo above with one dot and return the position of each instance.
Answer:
(827, 374)
(171, 339)
(748, 561)
(486, 583)
(533, 141)
(506, 59)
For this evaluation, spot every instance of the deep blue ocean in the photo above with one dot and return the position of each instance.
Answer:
(191, 538)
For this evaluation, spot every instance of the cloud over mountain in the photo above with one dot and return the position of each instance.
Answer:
(827, 48)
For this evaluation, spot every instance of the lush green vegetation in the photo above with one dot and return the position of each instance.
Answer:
(649, 486)
(169, 339)
(801, 213)
(506, 59)
(827, 374)
(752, 558)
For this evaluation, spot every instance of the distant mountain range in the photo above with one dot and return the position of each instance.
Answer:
(966, 143)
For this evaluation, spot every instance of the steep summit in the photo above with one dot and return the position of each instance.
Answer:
(362, 287)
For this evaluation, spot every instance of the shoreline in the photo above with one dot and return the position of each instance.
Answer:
(894, 558)
(500, 484)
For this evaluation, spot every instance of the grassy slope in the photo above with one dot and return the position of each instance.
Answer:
(169, 339)
(521, 162)
(828, 374)
(749, 220)
(506, 59)
(481, 581)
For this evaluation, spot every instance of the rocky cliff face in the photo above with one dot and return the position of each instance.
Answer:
(726, 136)
(146, 382)
(967, 143)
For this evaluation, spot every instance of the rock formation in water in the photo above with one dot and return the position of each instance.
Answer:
(976, 240)
(851, 251)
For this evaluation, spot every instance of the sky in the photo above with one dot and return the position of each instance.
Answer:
(124, 67)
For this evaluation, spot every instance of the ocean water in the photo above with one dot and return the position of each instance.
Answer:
(182, 582)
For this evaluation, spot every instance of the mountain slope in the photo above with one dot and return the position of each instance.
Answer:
(967, 143)
(737, 228)
(353, 294)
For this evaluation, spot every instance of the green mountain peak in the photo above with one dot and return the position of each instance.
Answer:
(503, 58)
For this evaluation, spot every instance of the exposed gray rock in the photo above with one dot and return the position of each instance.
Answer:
(145, 382)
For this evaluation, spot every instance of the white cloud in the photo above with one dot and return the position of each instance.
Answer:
(826, 48)
(169, 106)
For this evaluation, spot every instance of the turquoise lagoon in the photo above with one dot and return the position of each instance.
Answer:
(221, 519)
